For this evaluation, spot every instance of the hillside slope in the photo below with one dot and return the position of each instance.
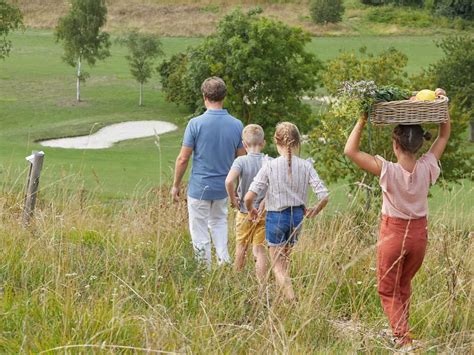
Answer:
(187, 18)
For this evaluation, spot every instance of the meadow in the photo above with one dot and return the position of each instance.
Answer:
(108, 266)
(97, 277)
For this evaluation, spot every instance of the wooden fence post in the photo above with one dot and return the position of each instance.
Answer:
(32, 184)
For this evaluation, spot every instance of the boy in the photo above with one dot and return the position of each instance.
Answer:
(245, 168)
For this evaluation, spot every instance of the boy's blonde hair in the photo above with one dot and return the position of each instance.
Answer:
(287, 136)
(253, 135)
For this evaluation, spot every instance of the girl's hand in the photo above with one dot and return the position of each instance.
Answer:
(235, 202)
(311, 212)
(253, 215)
(440, 92)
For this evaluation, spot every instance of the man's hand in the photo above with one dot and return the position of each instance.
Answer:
(253, 215)
(175, 193)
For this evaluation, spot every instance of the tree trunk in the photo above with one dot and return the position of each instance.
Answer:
(472, 129)
(140, 102)
(78, 82)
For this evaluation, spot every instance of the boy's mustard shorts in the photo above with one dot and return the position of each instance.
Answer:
(248, 232)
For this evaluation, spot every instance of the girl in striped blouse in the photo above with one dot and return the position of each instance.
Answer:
(287, 179)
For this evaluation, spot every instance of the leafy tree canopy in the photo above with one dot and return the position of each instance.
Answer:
(387, 68)
(264, 63)
(11, 19)
(143, 49)
(80, 30)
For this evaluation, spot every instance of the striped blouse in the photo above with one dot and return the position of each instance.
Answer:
(284, 190)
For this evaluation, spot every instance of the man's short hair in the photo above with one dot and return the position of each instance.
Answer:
(214, 89)
(253, 135)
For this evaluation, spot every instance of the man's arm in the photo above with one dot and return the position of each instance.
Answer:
(180, 169)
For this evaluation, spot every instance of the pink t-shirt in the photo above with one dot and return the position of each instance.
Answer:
(405, 194)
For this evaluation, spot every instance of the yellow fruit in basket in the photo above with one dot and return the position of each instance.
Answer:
(426, 95)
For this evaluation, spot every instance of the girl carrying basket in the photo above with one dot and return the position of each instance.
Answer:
(403, 231)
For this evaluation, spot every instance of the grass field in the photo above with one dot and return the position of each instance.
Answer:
(99, 278)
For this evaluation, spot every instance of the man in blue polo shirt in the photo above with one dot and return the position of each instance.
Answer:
(213, 140)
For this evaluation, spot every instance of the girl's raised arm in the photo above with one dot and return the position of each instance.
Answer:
(443, 136)
(362, 159)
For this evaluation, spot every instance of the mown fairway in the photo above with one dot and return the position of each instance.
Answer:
(37, 92)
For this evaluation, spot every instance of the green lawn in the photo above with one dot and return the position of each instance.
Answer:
(37, 92)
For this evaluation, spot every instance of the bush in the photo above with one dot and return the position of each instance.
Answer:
(414, 18)
(324, 11)
(418, 3)
(455, 73)
(455, 8)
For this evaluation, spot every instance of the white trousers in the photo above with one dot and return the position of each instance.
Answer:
(208, 220)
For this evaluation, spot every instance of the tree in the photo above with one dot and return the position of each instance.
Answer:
(386, 68)
(324, 11)
(416, 3)
(80, 31)
(455, 73)
(11, 19)
(455, 8)
(143, 50)
(264, 63)
(328, 138)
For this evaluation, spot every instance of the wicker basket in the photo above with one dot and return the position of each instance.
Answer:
(410, 112)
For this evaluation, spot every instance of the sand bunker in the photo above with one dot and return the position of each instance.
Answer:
(107, 136)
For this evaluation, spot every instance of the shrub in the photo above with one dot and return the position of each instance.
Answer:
(455, 73)
(373, 2)
(418, 3)
(324, 11)
(455, 8)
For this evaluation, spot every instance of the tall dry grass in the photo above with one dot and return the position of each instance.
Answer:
(119, 276)
(175, 18)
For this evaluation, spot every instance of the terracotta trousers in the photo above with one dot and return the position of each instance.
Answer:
(400, 253)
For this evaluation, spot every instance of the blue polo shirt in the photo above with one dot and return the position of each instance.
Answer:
(215, 137)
